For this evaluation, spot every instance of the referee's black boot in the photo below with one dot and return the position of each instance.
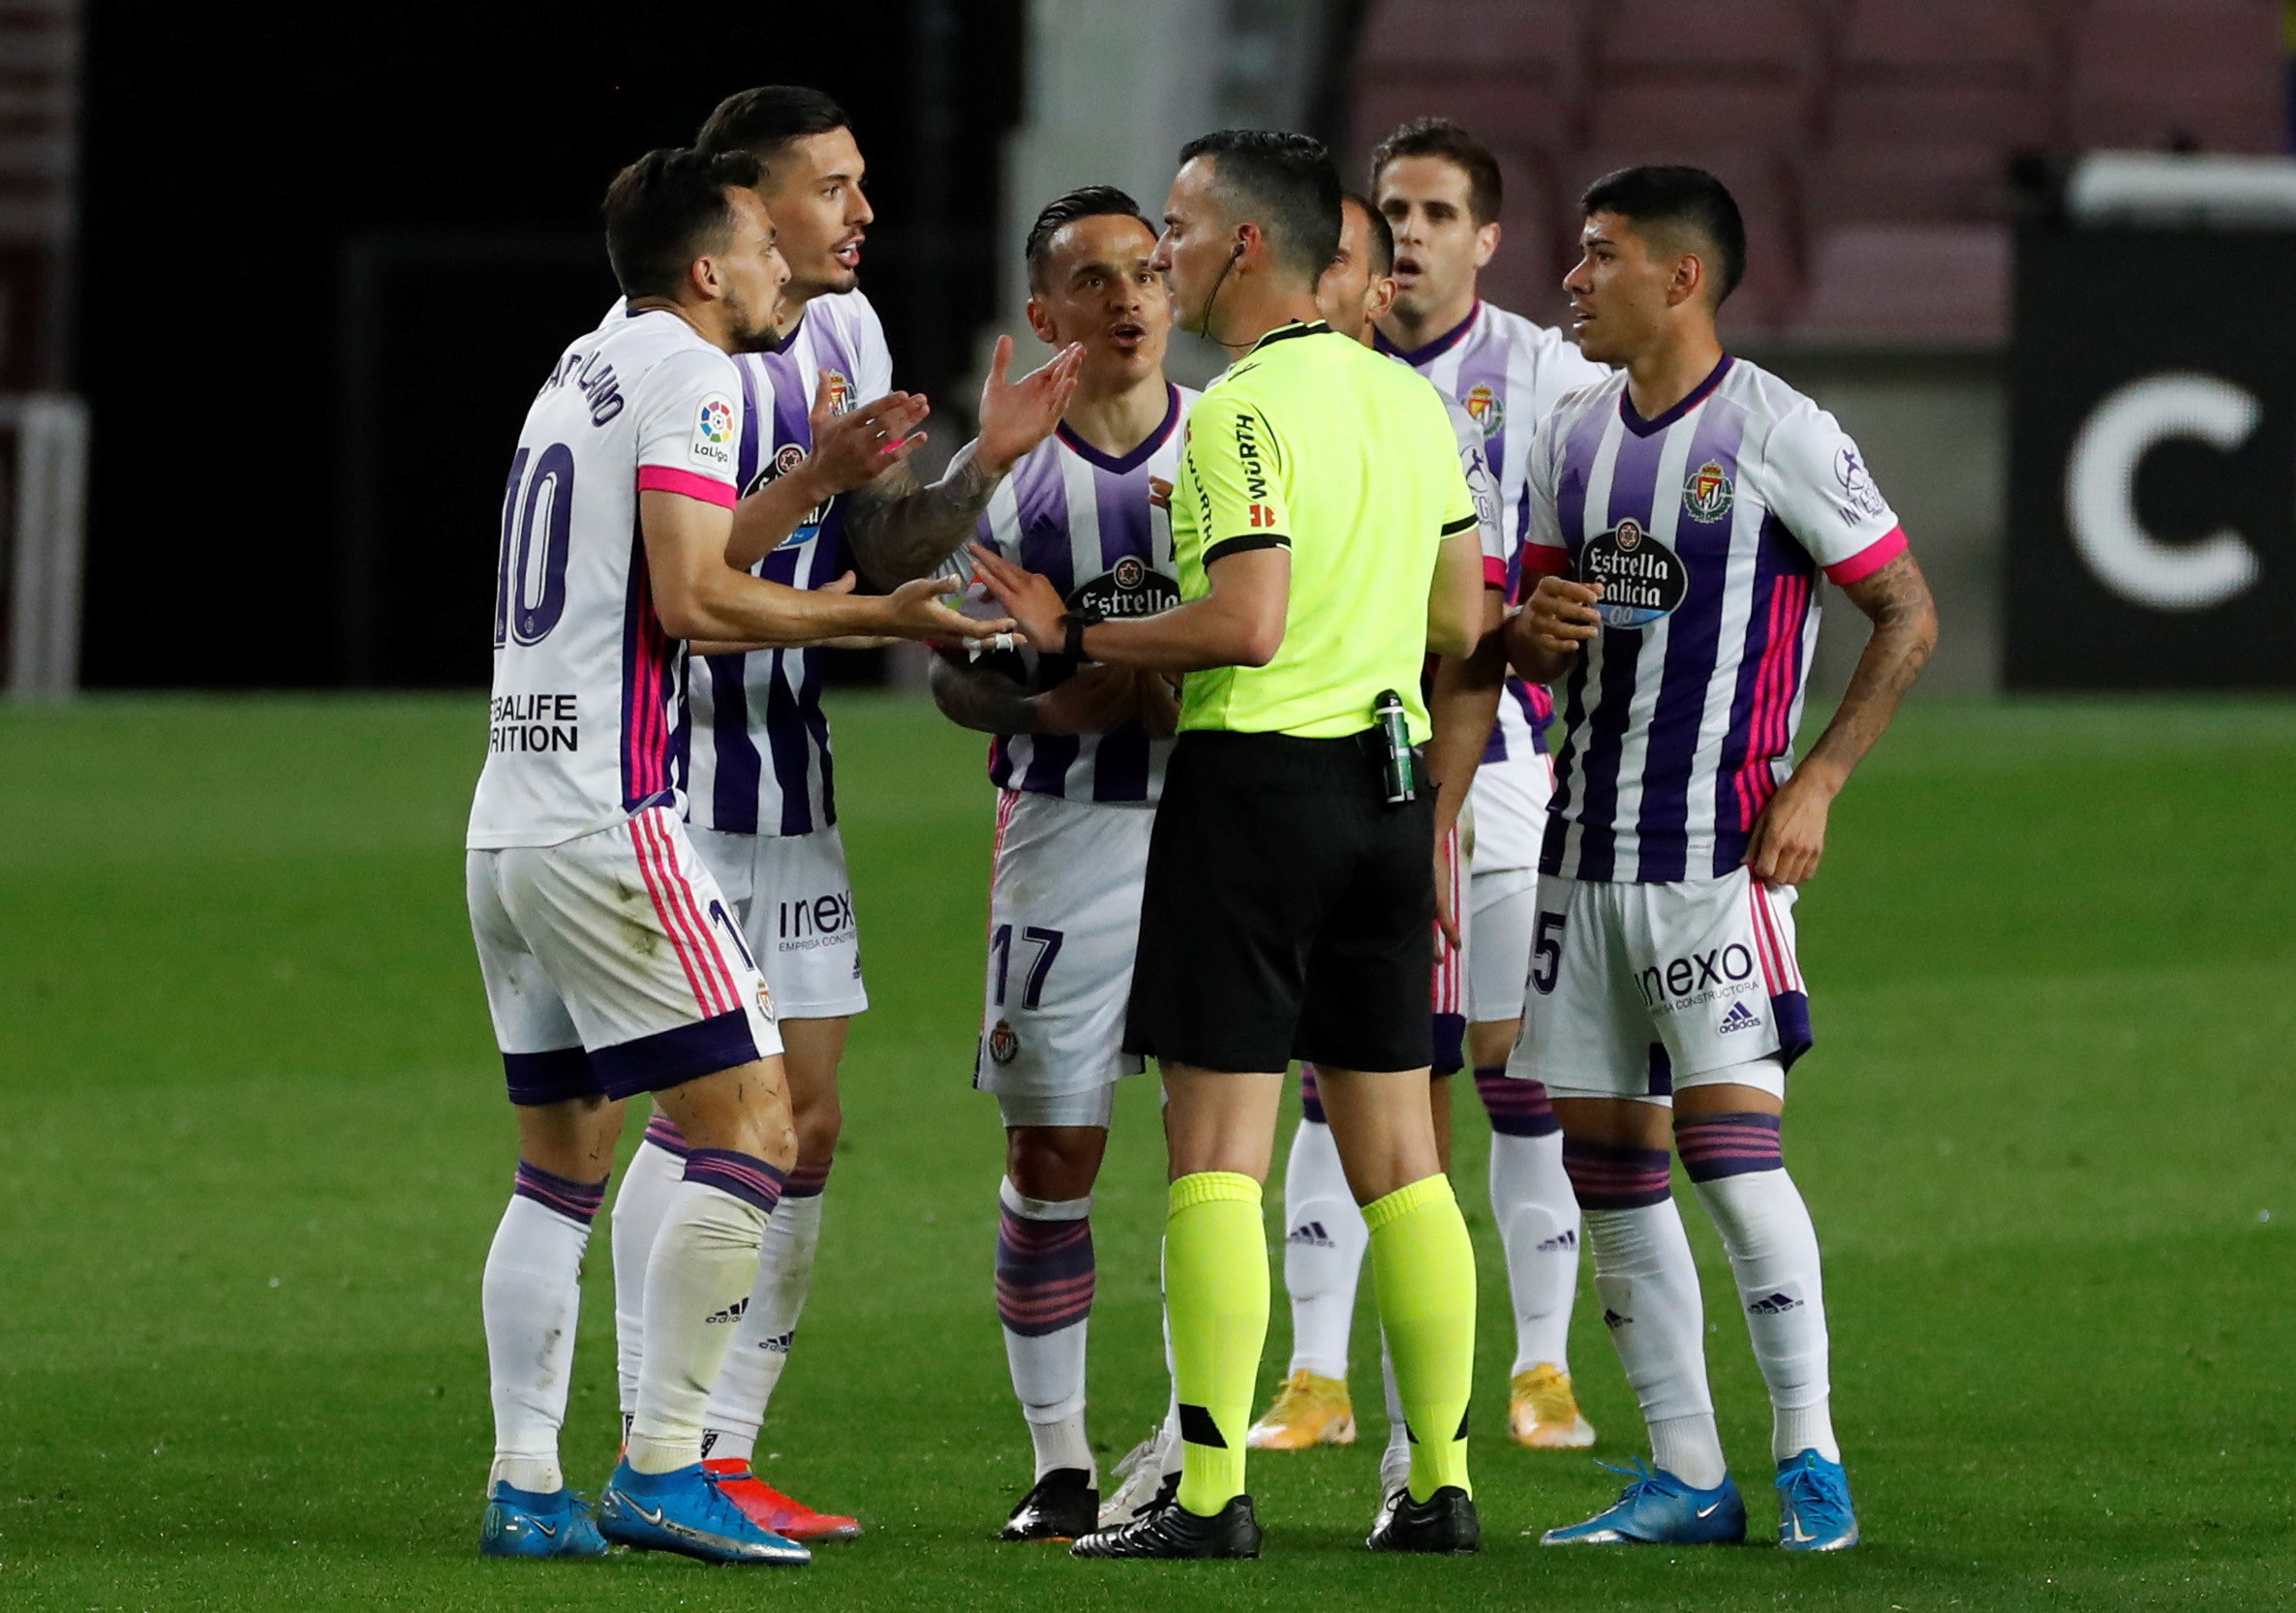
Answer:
(1174, 1532)
(1062, 1506)
(1443, 1523)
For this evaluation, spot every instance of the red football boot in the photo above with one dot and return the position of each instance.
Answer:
(769, 1509)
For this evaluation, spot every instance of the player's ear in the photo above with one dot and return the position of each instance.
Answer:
(1041, 323)
(1687, 280)
(1487, 242)
(1382, 296)
(703, 280)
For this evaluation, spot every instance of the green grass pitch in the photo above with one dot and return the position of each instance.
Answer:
(255, 1146)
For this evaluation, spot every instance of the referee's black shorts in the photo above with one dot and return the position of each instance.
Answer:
(1287, 910)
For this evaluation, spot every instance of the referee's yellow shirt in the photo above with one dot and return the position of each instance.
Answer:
(1347, 459)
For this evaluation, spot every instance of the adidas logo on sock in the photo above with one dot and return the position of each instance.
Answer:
(779, 1344)
(1614, 1320)
(1311, 1233)
(1777, 1304)
(1557, 1243)
(731, 1313)
(1739, 1018)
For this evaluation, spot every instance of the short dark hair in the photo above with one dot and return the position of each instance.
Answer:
(1439, 136)
(1285, 184)
(765, 121)
(1088, 201)
(1383, 234)
(666, 210)
(1678, 198)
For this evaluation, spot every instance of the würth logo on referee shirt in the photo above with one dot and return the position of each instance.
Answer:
(1247, 453)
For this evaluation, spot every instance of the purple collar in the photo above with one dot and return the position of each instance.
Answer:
(1695, 396)
(1444, 343)
(1115, 465)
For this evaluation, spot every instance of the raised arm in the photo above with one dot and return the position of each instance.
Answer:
(849, 451)
(1790, 837)
(899, 530)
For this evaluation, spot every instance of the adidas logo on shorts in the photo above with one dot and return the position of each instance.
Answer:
(1740, 1017)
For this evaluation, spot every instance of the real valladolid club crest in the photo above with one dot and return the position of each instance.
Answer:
(1708, 492)
(1484, 406)
(1004, 1043)
(841, 391)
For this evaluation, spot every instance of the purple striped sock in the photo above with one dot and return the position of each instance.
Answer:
(1311, 1102)
(1727, 1144)
(1608, 1177)
(806, 1181)
(1517, 1108)
(1044, 1273)
(573, 1199)
(662, 1131)
(746, 1177)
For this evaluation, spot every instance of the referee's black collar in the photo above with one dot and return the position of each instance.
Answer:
(1285, 332)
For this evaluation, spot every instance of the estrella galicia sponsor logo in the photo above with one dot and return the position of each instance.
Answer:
(824, 921)
(1709, 492)
(712, 440)
(1642, 580)
(1484, 408)
(1775, 1304)
(783, 460)
(1312, 1234)
(1715, 975)
(1129, 587)
(1859, 492)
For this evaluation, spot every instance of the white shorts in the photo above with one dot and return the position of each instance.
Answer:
(1063, 926)
(796, 905)
(613, 965)
(1510, 802)
(1635, 988)
(1505, 909)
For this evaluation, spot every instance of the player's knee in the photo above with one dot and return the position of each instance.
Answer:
(1489, 1042)
(817, 1126)
(1054, 1161)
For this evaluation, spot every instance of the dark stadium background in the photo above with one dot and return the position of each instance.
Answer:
(327, 253)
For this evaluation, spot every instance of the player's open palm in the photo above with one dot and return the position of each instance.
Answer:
(915, 610)
(863, 443)
(1789, 836)
(1034, 602)
(1016, 415)
(1560, 615)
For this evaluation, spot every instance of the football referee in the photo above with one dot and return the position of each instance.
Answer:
(1325, 542)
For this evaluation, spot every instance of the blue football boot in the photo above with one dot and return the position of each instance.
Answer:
(535, 1523)
(1657, 1509)
(1814, 1510)
(682, 1511)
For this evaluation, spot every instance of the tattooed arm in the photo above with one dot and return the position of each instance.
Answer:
(1789, 836)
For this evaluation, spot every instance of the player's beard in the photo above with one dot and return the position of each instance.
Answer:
(752, 330)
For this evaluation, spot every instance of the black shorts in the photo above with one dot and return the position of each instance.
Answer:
(1287, 910)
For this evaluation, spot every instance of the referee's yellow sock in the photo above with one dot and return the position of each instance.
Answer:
(1422, 1268)
(1215, 1294)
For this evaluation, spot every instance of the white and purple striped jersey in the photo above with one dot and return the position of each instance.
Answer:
(1506, 373)
(1083, 520)
(760, 749)
(1706, 528)
(586, 722)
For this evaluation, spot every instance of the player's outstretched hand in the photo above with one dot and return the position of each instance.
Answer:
(914, 610)
(1035, 604)
(1016, 415)
(1159, 492)
(1561, 614)
(1097, 699)
(1790, 837)
(864, 443)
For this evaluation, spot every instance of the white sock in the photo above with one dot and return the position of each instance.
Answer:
(1537, 1219)
(702, 1264)
(760, 1346)
(1323, 1253)
(639, 1205)
(1168, 1444)
(1648, 1285)
(1044, 1300)
(1773, 1254)
(531, 1296)
(1395, 1462)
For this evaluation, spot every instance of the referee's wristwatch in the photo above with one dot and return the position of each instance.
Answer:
(1076, 621)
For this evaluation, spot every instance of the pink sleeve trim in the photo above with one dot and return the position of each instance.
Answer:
(1545, 560)
(664, 478)
(1868, 559)
(1494, 571)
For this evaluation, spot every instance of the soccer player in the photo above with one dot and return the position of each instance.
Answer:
(611, 962)
(1078, 761)
(1326, 540)
(1439, 188)
(763, 800)
(1682, 512)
